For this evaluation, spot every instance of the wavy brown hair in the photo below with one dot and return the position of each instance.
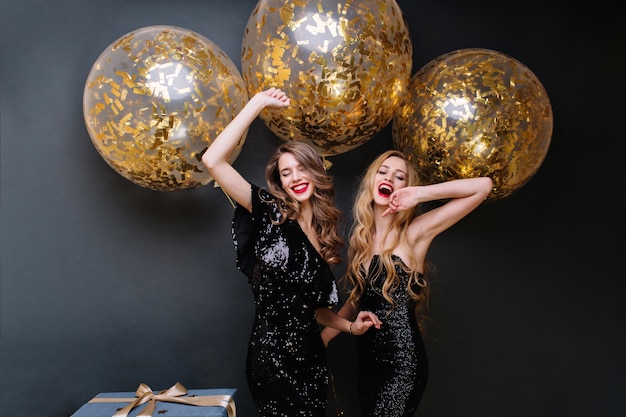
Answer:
(326, 215)
(361, 236)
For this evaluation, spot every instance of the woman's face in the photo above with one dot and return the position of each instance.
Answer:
(294, 178)
(391, 175)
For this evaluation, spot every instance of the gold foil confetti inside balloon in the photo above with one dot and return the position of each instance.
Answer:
(475, 112)
(155, 99)
(344, 65)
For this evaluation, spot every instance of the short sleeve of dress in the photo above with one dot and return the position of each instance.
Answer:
(245, 227)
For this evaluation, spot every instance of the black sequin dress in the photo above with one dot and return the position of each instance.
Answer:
(392, 362)
(286, 366)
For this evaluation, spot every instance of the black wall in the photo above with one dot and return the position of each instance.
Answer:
(105, 284)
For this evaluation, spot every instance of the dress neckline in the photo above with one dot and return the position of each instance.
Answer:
(394, 257)
(307, 240)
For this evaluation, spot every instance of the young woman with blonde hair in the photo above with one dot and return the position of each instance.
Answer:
(389, 241)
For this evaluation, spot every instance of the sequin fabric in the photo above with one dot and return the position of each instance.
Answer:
(392, 362)
(286, 365)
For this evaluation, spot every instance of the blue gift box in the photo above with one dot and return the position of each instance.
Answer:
(176, 401)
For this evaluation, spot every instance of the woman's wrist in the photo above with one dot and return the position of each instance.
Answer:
(350, 328)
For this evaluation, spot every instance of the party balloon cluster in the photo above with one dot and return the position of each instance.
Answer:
(156, 98)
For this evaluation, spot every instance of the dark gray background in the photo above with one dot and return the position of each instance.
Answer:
(105, 284)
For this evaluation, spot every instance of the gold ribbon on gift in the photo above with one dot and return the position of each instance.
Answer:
(175, 394)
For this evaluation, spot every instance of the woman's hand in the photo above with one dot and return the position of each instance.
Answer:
(402, 199)
(364, 320)
(274, 98)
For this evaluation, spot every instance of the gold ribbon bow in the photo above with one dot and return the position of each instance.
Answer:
(175, 394)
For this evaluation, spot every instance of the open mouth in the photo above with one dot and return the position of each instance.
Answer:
(300, 188)
(385, 190)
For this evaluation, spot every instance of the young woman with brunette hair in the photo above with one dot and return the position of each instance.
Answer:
(286, 242)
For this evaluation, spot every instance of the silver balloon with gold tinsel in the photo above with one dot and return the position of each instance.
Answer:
(475, 112)
(155, 99)
(344, 65)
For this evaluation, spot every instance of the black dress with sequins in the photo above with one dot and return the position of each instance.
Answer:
(392, 362)
(286, 365)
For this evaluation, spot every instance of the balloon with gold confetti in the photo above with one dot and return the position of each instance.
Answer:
(155, 99)
(344, 65)
(474, 112)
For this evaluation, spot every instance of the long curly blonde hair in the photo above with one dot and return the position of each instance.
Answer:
(361, 236)
(326, 216)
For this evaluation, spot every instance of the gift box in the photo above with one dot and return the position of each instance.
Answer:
(176, 401)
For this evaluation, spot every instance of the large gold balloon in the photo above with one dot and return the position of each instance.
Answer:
(344, 65)
(475, 112)
(155, 99)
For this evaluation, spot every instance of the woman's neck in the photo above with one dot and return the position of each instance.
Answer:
(306, 216)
